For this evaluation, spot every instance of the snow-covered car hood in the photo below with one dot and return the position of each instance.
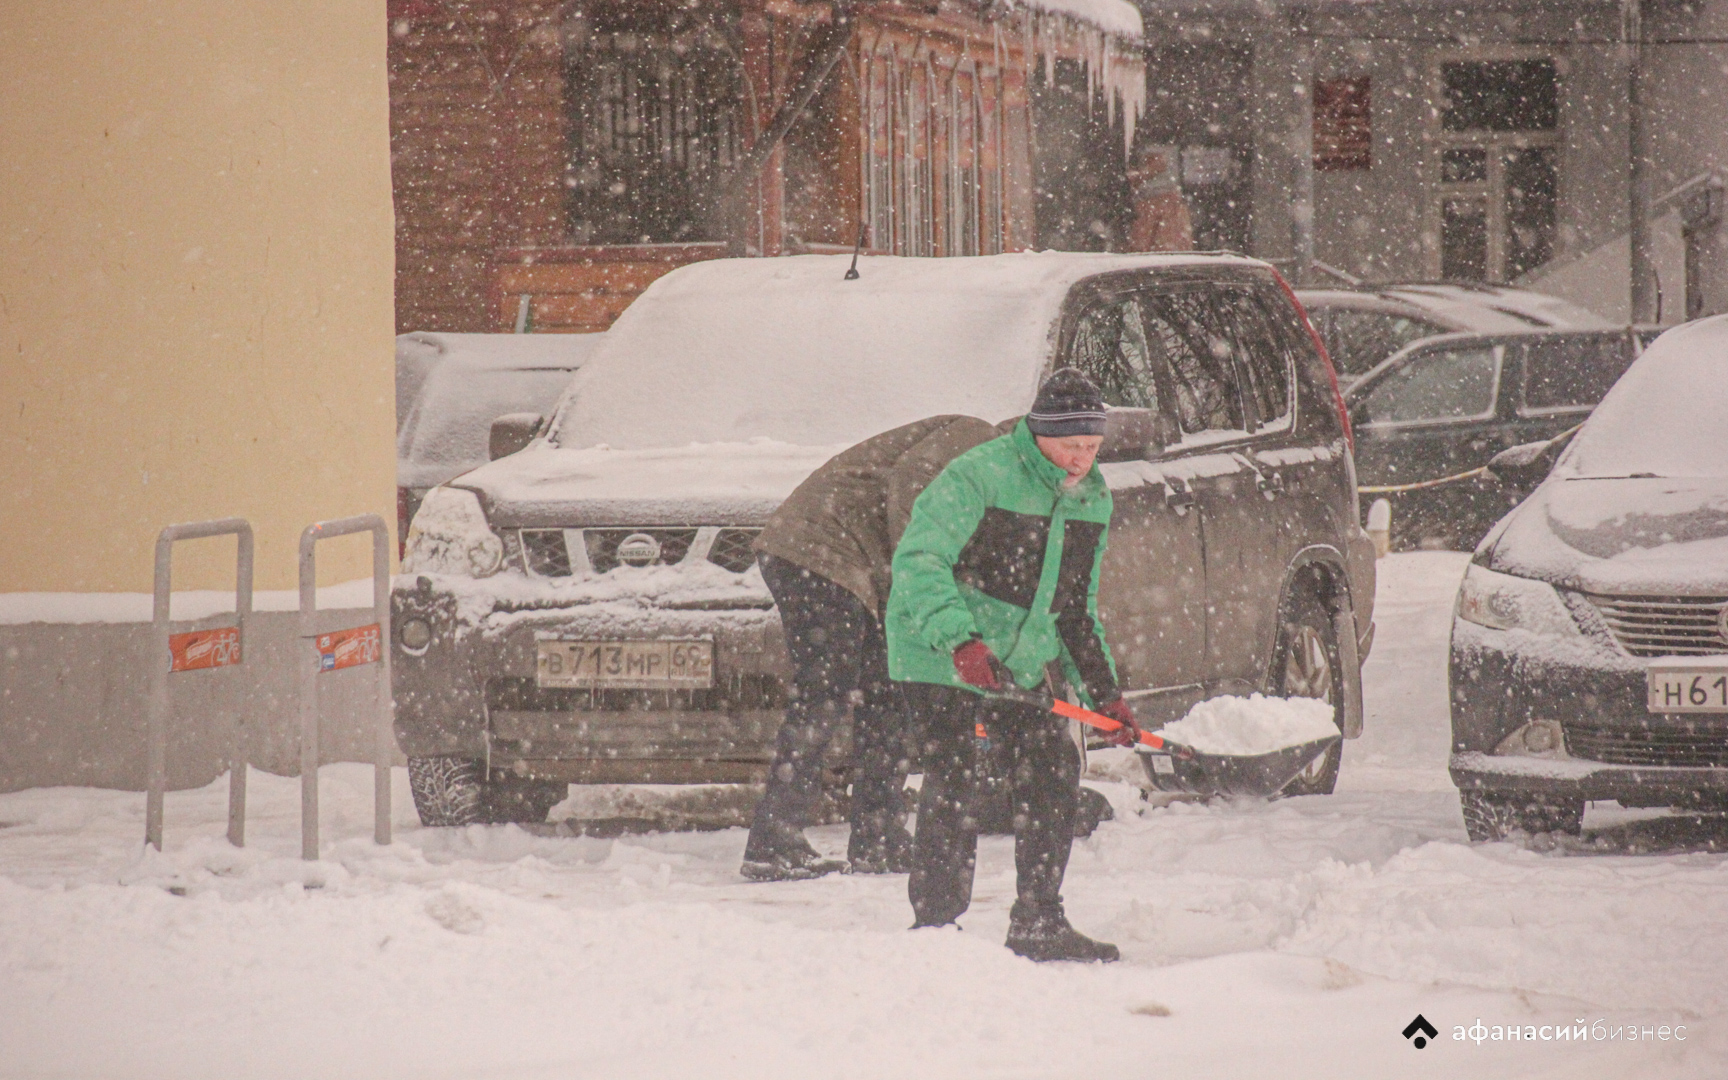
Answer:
(1624, 535)
(699, 484)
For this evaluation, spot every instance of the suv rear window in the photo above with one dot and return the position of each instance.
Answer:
(1573, 372)
(1110, 346)
(1192, 346)
(1189, 329)
(1264, 355)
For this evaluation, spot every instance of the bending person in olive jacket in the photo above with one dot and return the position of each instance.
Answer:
(996, 581)
(824, 556)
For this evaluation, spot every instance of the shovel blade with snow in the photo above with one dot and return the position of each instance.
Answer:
(1257, 775)
(1198, 773)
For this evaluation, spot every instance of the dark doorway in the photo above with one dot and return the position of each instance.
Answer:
(656, 116)
(1079, 166)
(1198, 100)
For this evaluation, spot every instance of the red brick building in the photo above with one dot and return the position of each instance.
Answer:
(551, 159)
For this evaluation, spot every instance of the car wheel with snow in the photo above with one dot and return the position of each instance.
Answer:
(1310, 667)
(455, 791)
(447, 790)
(1495, 817)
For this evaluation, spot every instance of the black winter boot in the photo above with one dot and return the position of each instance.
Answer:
(777, 852)
(1044, 934)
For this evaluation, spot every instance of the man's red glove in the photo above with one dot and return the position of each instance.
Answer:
(976, 665)
(1126, 735)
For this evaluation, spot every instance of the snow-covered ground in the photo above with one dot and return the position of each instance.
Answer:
(1289, 939)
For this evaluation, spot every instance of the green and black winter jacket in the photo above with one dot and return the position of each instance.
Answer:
(998, 548)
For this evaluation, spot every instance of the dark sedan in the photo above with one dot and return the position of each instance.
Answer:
(1590, 643)
(1430, 417)
(1364, 325)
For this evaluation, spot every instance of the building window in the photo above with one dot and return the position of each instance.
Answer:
(654, 124)
(930, 175)
(1500, 95)
(1343, 132)
(1497, 203)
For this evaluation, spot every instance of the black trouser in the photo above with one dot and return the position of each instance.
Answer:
(1043, 780)
(839, 660)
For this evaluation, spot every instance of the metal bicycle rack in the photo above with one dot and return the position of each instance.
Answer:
(336, 651)
(195, 650)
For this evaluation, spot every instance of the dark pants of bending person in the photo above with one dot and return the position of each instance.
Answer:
(1043, 768)
(839, 662)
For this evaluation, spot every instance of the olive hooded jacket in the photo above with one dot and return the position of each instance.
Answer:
(998, 548)
(844, 520)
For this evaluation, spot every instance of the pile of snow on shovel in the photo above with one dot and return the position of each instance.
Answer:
(1243, 726)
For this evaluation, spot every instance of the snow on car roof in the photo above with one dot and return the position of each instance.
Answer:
(514, 351)
(420, 351)
(787, 349)
(1485, 308)
(1529, 308)
(479, 378)
(1664, 417)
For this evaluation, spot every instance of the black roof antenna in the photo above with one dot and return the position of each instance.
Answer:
(852, 271)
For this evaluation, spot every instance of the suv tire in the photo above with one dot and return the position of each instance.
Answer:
(454, 791)
(1308, 666)
(447, 790)
(1490, 817)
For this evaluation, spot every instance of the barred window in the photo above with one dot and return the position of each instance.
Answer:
(930, 174)
(655, 121)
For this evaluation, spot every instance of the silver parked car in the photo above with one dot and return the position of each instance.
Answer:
(449, 389)
(589, 609)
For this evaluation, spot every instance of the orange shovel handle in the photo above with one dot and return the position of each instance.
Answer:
(1100, 721)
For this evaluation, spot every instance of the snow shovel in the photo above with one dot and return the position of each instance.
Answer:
(1187, 769)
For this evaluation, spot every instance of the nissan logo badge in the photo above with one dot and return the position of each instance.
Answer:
(639, 549)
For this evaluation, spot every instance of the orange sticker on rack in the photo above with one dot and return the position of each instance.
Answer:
(348, 648)
(200, 649)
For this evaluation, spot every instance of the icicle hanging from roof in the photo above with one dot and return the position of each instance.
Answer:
(1105, 36)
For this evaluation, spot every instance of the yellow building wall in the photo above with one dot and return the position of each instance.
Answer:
(196, 267)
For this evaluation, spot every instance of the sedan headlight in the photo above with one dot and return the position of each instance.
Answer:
(450, 536)
(1503, 602)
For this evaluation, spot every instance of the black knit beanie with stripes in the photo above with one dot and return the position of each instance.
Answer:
(1068, 404)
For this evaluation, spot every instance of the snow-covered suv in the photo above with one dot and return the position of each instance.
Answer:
(588, 609)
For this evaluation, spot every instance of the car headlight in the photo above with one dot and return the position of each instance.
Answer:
(1503, 602)
(415, 634)
(450, 536)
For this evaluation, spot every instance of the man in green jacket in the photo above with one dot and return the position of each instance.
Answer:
(824, 556)
(995, 581)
